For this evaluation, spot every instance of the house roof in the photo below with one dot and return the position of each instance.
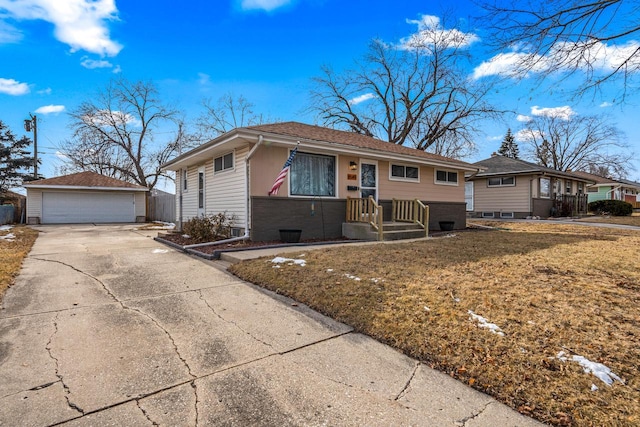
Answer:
(85, 180)
(502, 165)
(321, 137)
(601, 181)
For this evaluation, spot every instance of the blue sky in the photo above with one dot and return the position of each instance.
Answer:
(57, 53)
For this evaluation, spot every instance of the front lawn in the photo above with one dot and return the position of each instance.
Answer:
(520, 313)
(15, 244)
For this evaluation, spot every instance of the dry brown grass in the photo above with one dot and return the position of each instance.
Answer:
(549, 287)
(13, 252)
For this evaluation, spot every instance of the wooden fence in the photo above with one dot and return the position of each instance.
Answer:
(161, 207)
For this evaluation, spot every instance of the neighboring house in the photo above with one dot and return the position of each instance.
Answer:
(513, 188)
(234, 172)
(84, 197)
(611, 189)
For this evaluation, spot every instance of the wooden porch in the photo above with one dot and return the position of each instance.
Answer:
(364, 220)
(570, 204)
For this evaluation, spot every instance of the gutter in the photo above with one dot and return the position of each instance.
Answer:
(247, 195)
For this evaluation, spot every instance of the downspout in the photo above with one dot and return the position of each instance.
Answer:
(247, 188)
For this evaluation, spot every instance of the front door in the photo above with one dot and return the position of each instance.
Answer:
(201, 186)
(369, 179)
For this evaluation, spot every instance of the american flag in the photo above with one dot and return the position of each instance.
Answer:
(283, 173)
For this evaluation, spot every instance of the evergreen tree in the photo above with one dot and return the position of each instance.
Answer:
(509, 147)
(15, 160)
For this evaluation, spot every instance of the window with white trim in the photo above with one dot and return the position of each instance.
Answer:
(404, 173)
(503, 181)
(487, 215)
(446, 177)
(592, 189)
(185, 180)
(223, 163)
(506, 215)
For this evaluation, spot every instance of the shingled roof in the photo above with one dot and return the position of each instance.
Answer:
(502, 165)
(323, 134)
(86, 180)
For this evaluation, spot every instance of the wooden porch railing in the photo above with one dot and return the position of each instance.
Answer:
(411, 211)
(367, 211)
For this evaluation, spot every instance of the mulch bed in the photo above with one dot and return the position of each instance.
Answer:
(213, 251)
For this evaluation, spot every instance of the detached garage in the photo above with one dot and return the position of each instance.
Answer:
(84, 197)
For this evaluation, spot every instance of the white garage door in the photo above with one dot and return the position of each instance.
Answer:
(87, 207)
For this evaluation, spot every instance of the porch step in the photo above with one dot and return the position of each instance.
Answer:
(391, 231)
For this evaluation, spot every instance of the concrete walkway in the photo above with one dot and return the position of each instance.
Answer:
(106, 327)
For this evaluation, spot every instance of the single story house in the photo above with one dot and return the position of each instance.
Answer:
(85, 197)
(611, 189)
(513, 188)
(234, 173)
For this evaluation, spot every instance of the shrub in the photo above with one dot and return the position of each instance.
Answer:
(611, 207)
(208, 228)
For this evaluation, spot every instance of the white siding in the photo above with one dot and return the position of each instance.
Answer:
(190, 196)
(141, 204)
(34, 203)
(226, 190)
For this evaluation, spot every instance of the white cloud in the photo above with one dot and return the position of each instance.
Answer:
(46, 91)
(506, 65)
(563, 113)
(606, 104)
(92, 63)
(204, 79)
(526, 135)
(9, 33)
(13, 87)
(49, 109)
(111, 118)
(585, 55)
(430, 30)
(267, 5)
(117, 69)
(522, 118)
(79, 23)
(361, 98)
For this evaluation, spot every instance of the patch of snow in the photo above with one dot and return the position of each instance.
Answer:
(186, 236)
(5, 227)
(159, 251)
(484, 323)
(456, 299)
(276, 266)
(8, 237)
(329, 270)
(289, 261)
(302, 255)
(352, 277)
(426, 308)
(377, 279)
(602, 372)
(594, 387)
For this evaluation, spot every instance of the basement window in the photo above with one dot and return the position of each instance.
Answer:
(506, 214)
(487, 215)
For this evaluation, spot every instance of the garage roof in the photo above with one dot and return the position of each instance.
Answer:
(86, 181)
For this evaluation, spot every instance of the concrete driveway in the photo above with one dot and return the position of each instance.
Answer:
(105, 327)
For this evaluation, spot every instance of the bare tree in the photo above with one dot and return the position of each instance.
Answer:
(592, 38)
(576, 143)
(416, 94)
(115, 133)
(226, 114)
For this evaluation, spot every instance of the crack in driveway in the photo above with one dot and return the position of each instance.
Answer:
(104, 286)
(67, 391)
(463, 422)
(231, 322)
